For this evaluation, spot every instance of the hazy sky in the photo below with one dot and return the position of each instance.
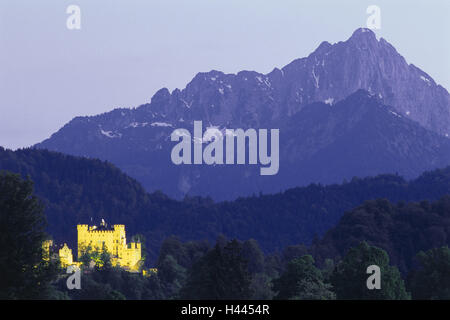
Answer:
(128, 49)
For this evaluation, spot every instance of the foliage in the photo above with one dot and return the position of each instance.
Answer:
(100, 258)
(221, 274)
(287, 225)
(24, 273)
(350, 275)
(76, 190)
(402, 229)
(432, 279)
(302, 281)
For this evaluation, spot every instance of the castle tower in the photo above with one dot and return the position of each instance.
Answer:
(120, 240)
(65, 256)
(82, 231)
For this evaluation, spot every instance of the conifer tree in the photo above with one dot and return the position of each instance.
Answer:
(24, 273)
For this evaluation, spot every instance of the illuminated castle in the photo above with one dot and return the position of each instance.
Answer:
(113, 240)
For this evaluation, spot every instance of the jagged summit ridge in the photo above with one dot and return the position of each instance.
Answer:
(330, 73)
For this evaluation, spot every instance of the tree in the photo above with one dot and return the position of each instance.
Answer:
(302, 280)
(104, 259)
(85, 255)
(93, 290)
(101, 258)
(24, 273)
(432, 279)
(261, 287)
(172, 275)
(349, 278)
(221, 274)
(253, 255)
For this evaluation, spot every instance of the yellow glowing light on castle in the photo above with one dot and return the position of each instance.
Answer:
(65, 256)
(113, 240)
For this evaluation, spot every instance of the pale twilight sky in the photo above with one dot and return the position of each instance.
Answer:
(128, 49)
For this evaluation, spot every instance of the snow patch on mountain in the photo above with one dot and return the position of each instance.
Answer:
(316, 78)
(110, 134)
(428, 81)
(160, 124)
(329, 101)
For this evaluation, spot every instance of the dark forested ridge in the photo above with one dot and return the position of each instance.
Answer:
(78, 190)
(402, 229)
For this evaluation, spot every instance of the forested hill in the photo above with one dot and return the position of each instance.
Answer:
(79, 190)
(402, 229)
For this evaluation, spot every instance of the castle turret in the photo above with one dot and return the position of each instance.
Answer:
(65, 256)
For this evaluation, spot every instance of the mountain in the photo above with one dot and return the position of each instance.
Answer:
(330, 130)
(79, 190)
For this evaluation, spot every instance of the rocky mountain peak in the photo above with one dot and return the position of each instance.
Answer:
(349, 101)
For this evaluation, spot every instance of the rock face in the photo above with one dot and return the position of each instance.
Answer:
(330, 129)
